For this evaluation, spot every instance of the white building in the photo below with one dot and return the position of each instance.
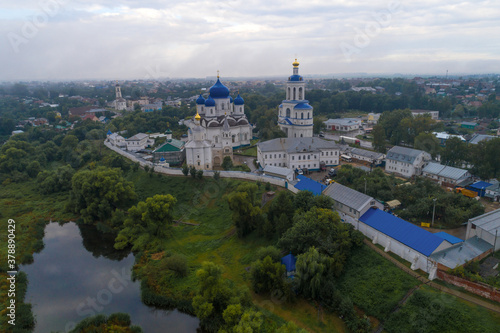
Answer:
(402, 238)
(298, 153)
(138, 142)
(434, 114)
(406, 162)
(119, 103)
(295, 116)
(279, 172)
(486, 227)
(343, 124)
(365, 155)
(350, 202)
(220, 124)
(445, 174)
(116, 140)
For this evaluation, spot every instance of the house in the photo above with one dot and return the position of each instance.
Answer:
(297, 153)
(402, 238)
(151, 107)
(468, 125)
(365, 155)
(307, 184)
(434, 114)
(373, 118)
(486, 227)
(343, 124)
(171, 152)
(289, 261)
(493, 192)
(445, 175)
(368, 89)
(350, 202)
(116, 140)
(480, 137)
(479, 187)
(406, 162)
(443, 137)
(460, 252)
(279, 172)
(138, 142)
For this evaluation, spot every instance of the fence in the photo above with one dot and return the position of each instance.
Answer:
(223, 174)
(480, 289)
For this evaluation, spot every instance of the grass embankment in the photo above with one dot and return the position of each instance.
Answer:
(31, 211)
(214, 239)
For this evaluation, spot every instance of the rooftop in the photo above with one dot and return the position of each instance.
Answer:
(489, 222)
(403, 154)
(366, 153)
(480, 137)
(447, 237)
(347, 196)
(285, 172)
(460, 253)
(444, 171)
(170, 145)
(292, 145)
(404, 232)
(307, 184)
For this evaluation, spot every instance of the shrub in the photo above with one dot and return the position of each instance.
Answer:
(177, 263)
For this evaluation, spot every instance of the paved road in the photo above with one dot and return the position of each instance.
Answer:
(467, 297)
(248, 160)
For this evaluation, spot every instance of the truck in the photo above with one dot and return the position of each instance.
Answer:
(348, 139)
(466, 192)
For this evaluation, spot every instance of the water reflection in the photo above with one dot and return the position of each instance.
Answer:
(69, 282)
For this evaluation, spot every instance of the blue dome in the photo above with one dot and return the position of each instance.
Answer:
(200, 100)
(303, 106)
(210, 101)
(109, 132)
(238, 100)
(162, 159)
(218, 90)
(295, 78)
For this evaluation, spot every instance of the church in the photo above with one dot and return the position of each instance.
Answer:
(300, 149)
(220, 125)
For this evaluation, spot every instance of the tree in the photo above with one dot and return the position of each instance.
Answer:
(58, 180)
(199, 174)
(214, 296)
(185, 169)
(267, 275)
(313, 270)
(96, 194)
(147, 222)
(322, 229)
(454, 153)
(282, 204)
(227, 163)
(247, 214)
(379, 138)
(303, 201)
(427, 142)
(192, 171)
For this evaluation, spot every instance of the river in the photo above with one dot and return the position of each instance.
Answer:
(79, 274)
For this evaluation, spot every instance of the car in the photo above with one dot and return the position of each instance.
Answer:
(332, 172)
(299, 171)
(321, 135)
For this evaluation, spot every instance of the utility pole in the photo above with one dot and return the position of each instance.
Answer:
(433, 211)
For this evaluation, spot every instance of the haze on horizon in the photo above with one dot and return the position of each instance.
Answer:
(152, 39)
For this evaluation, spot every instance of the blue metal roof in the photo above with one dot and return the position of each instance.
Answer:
(288, 121)
(295, 78)
(307, 184)
(304, 106)
(480, 185)
(218, 90)
(404, 232)
(446, 236)
(289, 261)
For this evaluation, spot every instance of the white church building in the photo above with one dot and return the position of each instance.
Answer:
(220, 125)
(295, 116)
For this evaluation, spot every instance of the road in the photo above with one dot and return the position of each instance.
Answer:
(336, 136)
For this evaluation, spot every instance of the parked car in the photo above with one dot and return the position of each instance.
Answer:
(332, 172)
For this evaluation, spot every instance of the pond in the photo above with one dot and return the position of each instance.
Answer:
(79, 274)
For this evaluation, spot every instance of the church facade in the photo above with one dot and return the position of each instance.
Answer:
(220, 125)
(295, 116)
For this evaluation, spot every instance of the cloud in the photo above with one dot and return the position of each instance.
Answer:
(104, 39)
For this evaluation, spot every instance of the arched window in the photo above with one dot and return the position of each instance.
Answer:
(294, 93)
(288, 95)
(233, 138)
(302, 115)
(246, 136)
(300, 93)
(301, 135)
(202, 108)
(216, 139)
(222, 106)
(288, 113)
(308, 115)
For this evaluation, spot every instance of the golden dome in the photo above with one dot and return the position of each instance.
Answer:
(295, 63)
(197, 117)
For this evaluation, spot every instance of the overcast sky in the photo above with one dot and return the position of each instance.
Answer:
(76, 39)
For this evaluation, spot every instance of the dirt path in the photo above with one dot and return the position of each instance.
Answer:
(467, 297)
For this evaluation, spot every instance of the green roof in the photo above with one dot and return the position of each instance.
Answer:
(171, 145)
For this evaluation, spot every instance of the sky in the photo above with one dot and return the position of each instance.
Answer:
(153, 39)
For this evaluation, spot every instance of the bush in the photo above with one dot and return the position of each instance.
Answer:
(269, 251)
(177, 263)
